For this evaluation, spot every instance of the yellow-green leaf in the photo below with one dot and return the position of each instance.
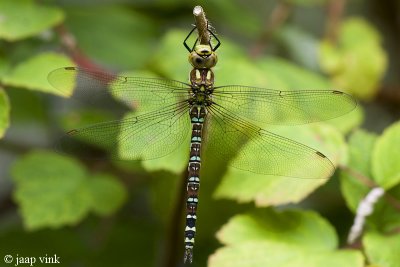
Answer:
(20, 19)
(361, 144)
(108, 194)
(32, 74)
(355, 68)
(263, 253)
(269, 238)
(382, 250)
(302, 228)
(54, 190)
(50, 190)
(386, 157)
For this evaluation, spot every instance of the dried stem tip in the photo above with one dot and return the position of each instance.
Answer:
(202, 25)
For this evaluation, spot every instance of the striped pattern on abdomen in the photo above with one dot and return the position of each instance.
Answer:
(197, 116)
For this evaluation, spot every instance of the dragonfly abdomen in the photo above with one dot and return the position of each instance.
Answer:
(197, 116)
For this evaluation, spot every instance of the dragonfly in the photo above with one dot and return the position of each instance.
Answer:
(193, 112)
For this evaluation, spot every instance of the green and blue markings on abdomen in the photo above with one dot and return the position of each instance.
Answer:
(197, 116)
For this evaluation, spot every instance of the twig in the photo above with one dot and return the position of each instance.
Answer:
(202, 25)
(68, 41)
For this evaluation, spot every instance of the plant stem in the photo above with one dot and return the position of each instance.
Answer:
(175, 239)
(201, 24)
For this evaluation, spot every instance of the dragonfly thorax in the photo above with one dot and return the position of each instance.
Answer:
(200, 98)
(202, 87)
(203, 57)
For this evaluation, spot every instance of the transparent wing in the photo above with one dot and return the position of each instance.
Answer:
(91, 85)
(261, 151)
(148, 136)
(284, 107)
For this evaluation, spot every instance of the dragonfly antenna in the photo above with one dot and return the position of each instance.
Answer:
(202, 25)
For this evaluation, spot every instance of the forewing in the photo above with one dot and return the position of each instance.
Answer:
(260, 151)
(92, 86)
(284, 107)
(148, 136)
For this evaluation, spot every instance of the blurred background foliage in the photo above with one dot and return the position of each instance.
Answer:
(128, 214)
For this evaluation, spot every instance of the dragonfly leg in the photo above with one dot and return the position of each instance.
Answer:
(187, 37)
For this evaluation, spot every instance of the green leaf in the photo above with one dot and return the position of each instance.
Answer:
(296, 78)
(269, 238)
(54, 190)
(382, 250)
(354, 181)
(50, 190)
(361, 144)
(113, 34)
(354, 68)
(386, 157)
(4, 112)
(108, 194)
(274, 190)
(24, 18)
(302, 228)
(170, 53)
(261, 254)
(32, 74)
(232, 59)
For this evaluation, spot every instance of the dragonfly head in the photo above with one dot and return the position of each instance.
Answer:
(203, 57)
